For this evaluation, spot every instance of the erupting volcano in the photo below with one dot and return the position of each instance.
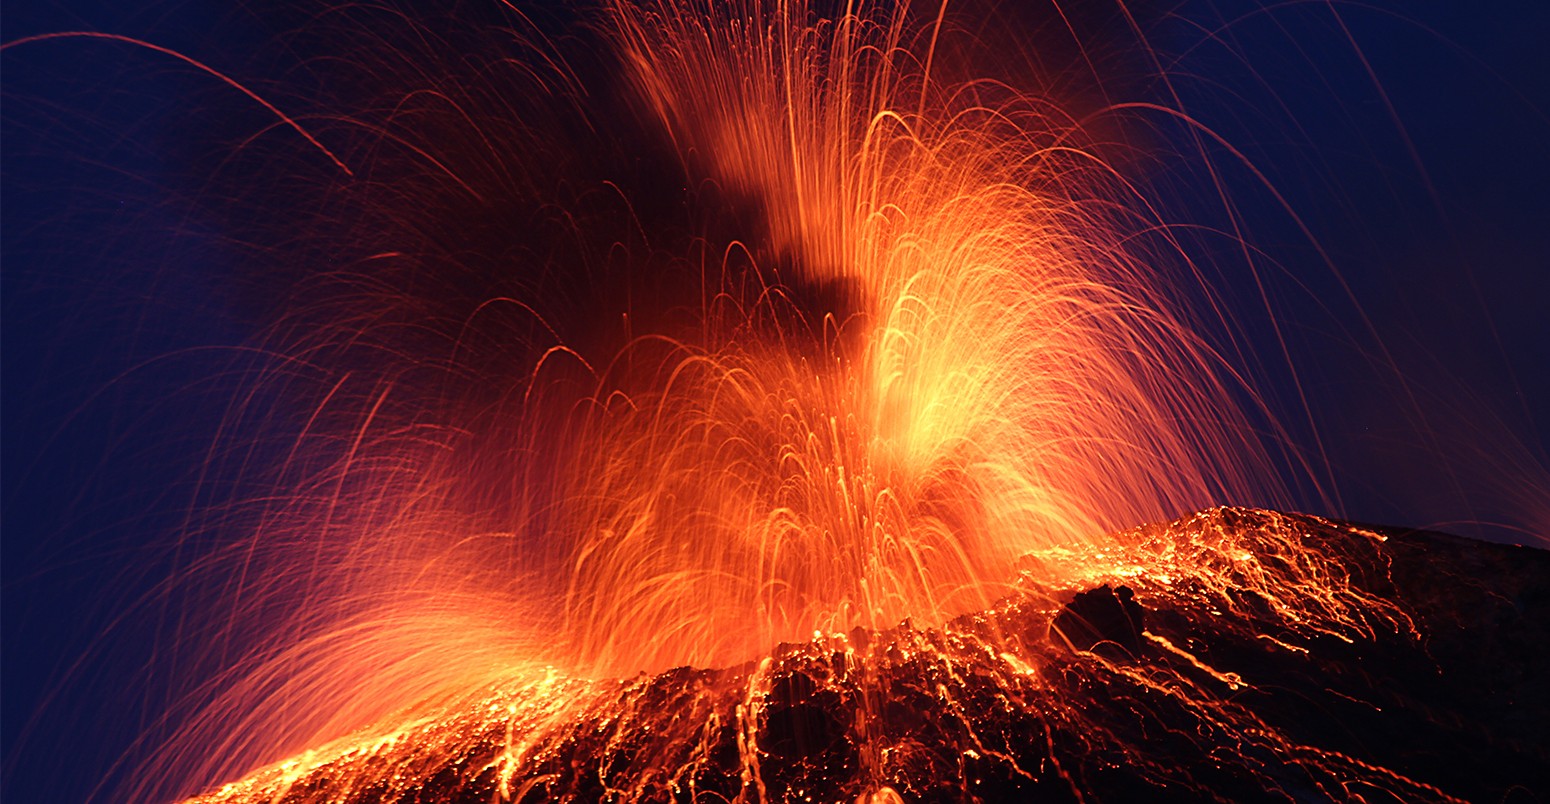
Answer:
(778, 401)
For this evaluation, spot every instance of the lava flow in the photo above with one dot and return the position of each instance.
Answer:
(783, 498)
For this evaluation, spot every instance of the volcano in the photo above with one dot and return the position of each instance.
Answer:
(1233, 655)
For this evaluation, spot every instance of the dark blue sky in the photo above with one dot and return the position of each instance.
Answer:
(1417, 160)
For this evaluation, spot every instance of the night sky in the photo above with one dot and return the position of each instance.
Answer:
(130, 296)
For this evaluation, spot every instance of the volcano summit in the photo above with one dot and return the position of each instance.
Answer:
(1284, 658)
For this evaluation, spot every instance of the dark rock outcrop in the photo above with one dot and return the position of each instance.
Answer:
(1101, 618)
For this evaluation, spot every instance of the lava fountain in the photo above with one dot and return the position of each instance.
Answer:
(930, 340)
(910, 347)
(929, 351)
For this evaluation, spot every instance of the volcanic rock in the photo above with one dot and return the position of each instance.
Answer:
(1284, 658)
(1101, 617)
